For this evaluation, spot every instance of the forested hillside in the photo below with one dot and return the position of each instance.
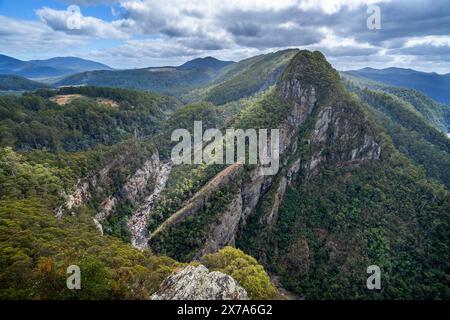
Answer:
(432, 84)
(76, 118)
(435, 113)
(164, 80)
(340, 218)
(244, 79)
(412, 121)
(86, 179)
(15, 83)
(40, 171)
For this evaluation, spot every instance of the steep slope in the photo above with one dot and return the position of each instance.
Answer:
(37, 245)
(432, 84)
(435, 113)
(244, 78)
(240, 190)
(411, 133)
(412, 120)
(343, 199)
(336, 219)
(346, 195)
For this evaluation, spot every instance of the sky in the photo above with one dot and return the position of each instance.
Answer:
(141, 33)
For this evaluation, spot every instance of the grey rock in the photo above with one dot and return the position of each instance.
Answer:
(197, 283)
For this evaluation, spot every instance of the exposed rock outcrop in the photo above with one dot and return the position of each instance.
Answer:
(201, 197)
(142, 190)
(85, 188)
(197, 283)
(336, 134)
(134, 190)
(245, 202)
(139, 220)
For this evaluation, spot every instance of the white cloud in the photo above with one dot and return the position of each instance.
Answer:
(88, 26)
(437, 41)
(160, 52)
(162, 32)
(334, 6)
(21, 37)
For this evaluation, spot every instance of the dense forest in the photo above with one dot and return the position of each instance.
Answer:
(364, 179)
(37, 247)
(333, 223)
(90, 116)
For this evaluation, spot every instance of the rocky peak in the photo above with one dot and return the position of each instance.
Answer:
(324, 126)
(308, 71)
(197, 283)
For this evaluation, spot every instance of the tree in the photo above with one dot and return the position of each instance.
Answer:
(244, 269)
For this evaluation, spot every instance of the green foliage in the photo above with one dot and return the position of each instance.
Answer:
(244, 269)
(50, 175)
(432, 111)
(183, 239)
(21, 179)
(36, 249)
(312, 69)
(184, 181)
(335, 222)
(331, 228)
(248, 77)
(266, 111)
(165, 80)
(184, 118)
(411, 134)
(34, 121)
(16, 83)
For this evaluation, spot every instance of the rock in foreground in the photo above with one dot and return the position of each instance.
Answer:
(197, 283)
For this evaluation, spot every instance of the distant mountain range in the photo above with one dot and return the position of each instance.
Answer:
(54, 67)
(208, 73)
(208, 62)
(167, 80)
(432, 84)
(206, 79)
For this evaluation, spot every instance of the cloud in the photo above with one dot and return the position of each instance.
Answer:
(413, 31)
(400, 20)
(145, 53)
(59, 20)
(424, 50)
(21, 37)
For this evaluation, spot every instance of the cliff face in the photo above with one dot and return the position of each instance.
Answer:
(323, 127)
(197, 283)
(140, 184)
(87, 187)
(140, 190)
